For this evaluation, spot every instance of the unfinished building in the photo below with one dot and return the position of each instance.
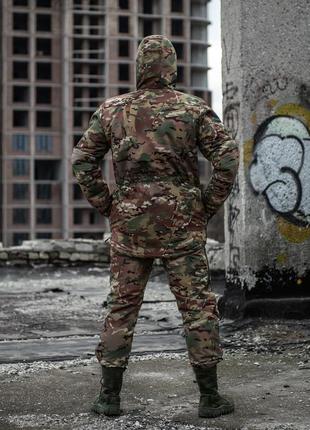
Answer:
(60, 60)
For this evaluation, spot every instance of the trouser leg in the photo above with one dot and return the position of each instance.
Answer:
(189, 281)
(128, 278)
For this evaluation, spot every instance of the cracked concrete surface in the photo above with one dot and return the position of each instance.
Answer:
(50, 320)
(271, 392)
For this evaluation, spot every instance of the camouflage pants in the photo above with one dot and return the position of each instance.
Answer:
(188, 277)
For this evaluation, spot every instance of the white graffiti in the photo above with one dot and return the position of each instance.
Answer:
(280, 169)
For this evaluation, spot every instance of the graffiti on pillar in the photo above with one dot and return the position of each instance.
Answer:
(233, 215)
(231, 110)
(280, 168)
(228, 53)
(258, 88)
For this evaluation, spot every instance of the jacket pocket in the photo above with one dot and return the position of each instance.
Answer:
(189, 206)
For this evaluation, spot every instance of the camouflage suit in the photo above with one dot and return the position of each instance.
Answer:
(159, 209)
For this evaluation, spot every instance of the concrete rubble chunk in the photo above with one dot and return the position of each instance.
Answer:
(43, 255)
(75, 256)
(33, 255)
(84, 247)
(65, 255)
(38, 245)
(3, 255)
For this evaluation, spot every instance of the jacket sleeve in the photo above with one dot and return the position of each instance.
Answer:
(85, 159)
(222, 151)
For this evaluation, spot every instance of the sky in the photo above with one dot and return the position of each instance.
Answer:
(214, 55)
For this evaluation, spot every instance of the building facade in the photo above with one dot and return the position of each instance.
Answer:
(60, 60)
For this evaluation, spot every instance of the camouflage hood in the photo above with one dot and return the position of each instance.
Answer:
(156, 63)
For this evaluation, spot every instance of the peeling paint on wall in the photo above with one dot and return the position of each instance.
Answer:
(291, 232)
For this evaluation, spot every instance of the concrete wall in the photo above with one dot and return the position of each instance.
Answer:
(266, 88)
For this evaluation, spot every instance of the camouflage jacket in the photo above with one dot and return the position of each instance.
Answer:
(159, 207)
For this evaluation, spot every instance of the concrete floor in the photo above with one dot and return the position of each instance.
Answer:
(49, 325)
(270, 391)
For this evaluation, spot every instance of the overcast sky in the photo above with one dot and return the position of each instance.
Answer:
(214, 55)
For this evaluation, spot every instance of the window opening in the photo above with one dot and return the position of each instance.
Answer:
(20, 45)
(20, 21)
(123, 24)
(43, 47)
(123, 72)
(44, 22)
(20, 191)
(20, 94)
(177, 27)
(20, 118)
(43, 118)
(123, 48)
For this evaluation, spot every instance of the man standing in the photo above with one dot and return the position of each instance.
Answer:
(159, 210)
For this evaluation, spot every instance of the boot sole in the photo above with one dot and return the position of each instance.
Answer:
(215, 412)
(104, 410)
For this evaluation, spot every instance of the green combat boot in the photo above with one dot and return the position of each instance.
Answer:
(108, 400)
(211, 404)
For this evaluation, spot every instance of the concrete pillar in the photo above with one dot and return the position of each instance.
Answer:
(266, 88)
